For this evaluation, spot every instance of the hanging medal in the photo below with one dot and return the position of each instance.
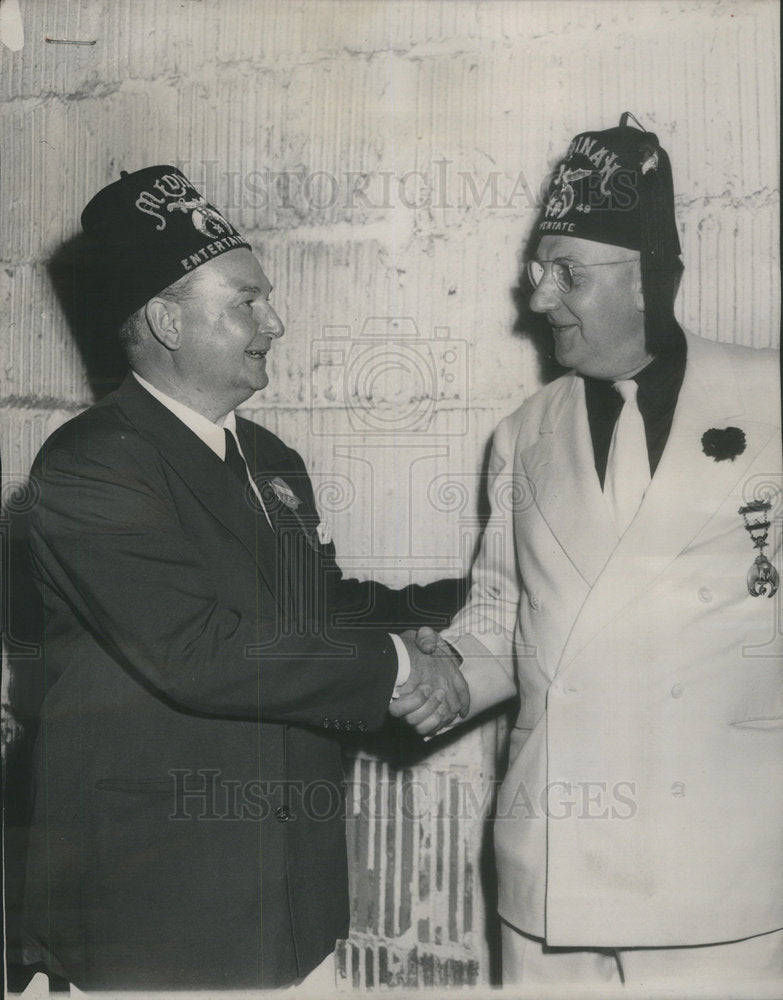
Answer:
(762, 574)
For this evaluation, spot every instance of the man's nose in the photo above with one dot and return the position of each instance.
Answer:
(546, 295)
(270, 322)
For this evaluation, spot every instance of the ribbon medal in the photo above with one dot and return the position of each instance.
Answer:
(284, 493)
(762, 574)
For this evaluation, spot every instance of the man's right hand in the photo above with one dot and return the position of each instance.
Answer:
(435, 693)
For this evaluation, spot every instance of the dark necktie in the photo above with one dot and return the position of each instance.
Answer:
(282, 556)
(233, 459)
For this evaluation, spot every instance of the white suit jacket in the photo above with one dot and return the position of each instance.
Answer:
(644, 799)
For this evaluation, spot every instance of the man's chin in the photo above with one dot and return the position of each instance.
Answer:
(250, 391)
(563, 357)
(565, 342)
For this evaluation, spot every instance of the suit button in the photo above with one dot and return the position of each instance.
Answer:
(282, 815)
(535, 604)
(677, 691)
(678, 789)
(705, 595)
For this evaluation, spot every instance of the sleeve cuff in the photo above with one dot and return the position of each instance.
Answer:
(403, 663)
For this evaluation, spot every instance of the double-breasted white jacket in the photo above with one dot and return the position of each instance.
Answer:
(643, 804)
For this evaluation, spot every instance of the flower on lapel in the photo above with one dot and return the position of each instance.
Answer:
(723, 442)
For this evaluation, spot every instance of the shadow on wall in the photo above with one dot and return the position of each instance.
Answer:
(22, 628)
(87, 304)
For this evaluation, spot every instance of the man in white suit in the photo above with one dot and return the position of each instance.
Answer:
(626, 586)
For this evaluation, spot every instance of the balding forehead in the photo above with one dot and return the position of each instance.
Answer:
(552, 246)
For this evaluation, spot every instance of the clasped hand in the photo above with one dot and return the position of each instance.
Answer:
(435, 693)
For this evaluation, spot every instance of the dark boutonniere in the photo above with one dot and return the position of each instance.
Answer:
(723, 442)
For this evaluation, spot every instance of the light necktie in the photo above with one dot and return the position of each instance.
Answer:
(628, 465)
(238, 466)
(233, 459)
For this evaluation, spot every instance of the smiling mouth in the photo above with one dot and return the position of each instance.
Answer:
(257, 354)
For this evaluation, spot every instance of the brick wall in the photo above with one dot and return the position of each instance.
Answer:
(384, 159)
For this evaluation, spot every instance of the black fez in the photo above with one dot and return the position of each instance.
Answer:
(146, 231)
(615, 186)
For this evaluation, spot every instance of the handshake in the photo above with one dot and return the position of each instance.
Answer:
(435, 693)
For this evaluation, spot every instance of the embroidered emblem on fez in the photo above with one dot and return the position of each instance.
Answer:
(211, 223)
(172, 190)
(168, 186)
(184, 205)
(561, 201)
(207, 220)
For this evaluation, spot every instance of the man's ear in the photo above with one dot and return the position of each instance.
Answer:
(165, 320)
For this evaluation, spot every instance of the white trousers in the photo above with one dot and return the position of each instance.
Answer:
(751, 968)
(318, 984)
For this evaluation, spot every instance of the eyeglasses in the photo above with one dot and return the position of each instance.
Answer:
(562, 271)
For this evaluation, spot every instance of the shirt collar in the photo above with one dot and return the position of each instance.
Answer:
(659, 383)
(209, 432)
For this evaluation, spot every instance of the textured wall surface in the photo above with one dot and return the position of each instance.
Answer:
(384, 159)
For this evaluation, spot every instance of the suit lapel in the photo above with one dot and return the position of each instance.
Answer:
(686, 491)
(285, 487)
(206, 476)
(567, 491)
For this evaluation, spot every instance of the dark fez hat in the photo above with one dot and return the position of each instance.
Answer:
(615, 186)
(147, 230)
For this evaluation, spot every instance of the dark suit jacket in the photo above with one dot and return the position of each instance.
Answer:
(188, 828)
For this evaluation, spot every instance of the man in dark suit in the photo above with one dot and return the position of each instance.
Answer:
(203, 651)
